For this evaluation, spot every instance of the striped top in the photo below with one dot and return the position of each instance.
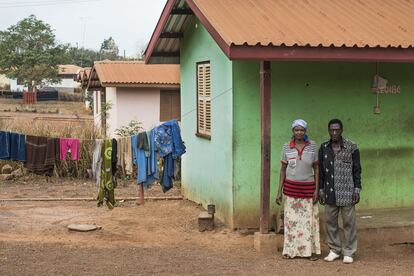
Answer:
(300, 179)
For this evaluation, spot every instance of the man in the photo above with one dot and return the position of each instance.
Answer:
(339, 188)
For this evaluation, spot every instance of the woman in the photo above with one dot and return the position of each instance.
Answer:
(299, 181)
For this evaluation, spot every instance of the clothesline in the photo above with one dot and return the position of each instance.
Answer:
(40, 155)
(81, 139)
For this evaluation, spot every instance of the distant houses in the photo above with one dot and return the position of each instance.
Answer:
(133, 90)
(68, 84)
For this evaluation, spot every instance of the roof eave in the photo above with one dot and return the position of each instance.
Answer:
(158, 29)
(297, 53)
(141, 85)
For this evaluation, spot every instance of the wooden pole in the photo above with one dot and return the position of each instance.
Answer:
(265, 116)
(140, 198)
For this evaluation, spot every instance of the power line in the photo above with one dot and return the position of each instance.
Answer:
(218, 95)
(5, 5)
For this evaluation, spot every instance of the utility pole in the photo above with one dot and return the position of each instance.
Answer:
(83, 24)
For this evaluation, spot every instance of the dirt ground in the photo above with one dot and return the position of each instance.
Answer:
(160, 237)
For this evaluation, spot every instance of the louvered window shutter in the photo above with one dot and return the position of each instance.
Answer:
(204, 99)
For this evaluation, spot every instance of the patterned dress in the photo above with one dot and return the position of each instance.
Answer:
(301, 216)
(108, 182)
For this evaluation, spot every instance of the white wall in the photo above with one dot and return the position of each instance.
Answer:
(112, 119)
(97, 108)
(140, 104)
(16, 87)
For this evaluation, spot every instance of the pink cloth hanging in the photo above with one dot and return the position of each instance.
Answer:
(72, 144)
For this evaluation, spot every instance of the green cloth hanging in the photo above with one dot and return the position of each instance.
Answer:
(108, 181)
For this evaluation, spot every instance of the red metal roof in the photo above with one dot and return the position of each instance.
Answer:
(349, 23)
(136, 73)
(360, 30)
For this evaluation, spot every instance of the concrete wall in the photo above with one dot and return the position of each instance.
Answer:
(140, 104)
(207, 165)
(97, 108)
(318, 92)
(112, 117)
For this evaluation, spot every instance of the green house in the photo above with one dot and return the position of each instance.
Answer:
(248, 68)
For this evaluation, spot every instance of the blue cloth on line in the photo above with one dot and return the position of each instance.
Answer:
(147, 166)
(4, 145)
(170, 146)
(168, 139)
(17, 147)
(152, 169)
(168, 174)
(140, 160)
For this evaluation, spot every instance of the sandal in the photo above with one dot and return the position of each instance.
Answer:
(313, 258)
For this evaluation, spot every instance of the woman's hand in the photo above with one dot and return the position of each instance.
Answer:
(279, 199)
(315, 197)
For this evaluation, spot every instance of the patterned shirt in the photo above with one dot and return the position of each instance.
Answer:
(300, 179)
(340, 173)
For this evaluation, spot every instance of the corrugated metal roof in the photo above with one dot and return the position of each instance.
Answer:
(350, 23)
(137, 72)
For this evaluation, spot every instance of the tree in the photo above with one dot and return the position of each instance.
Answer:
(81, 56)
(30, 53)
(109, 49)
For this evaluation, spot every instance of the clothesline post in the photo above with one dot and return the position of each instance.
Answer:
(140, 199)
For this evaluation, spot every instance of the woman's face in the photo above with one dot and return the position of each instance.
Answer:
(299, 132)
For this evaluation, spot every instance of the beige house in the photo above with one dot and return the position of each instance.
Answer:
(147, 93)
(68, 74)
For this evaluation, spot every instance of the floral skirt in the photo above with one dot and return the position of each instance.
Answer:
(301, 228)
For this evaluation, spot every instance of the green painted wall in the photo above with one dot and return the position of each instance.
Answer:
(318, 92)
(207, 165)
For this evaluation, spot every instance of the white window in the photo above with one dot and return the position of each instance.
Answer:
(204, 99)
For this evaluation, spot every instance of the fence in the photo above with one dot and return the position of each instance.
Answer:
(31, 97)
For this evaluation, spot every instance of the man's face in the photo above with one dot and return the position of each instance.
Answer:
(335, 132)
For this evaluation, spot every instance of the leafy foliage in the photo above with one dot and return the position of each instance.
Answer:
(81, 56)
(133, 128)
(109, 49)
(30, 53)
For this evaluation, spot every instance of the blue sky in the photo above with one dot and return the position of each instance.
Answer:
(88, 22)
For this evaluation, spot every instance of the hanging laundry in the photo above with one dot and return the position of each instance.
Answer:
(12, 146)
(69, 144)
(140, 160)
(108, 181)
(168, 143)
(114, 158)
(143, 141)
(152, 161)
(125, 155)
(17, 146)
(97, 161)
(41, 154)
(4, 145)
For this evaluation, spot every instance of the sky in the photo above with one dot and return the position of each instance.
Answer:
(86, 23)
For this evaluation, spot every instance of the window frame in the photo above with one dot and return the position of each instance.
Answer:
(198, 133)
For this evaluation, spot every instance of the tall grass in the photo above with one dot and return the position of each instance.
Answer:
(81, 129)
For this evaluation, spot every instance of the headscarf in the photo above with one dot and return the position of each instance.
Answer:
(300, 122)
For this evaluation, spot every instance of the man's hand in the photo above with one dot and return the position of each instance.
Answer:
(279, 199)
(315, 197)
(355, 197)
(321, 197)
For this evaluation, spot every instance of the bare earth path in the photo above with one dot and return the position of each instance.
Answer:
(160, 237)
